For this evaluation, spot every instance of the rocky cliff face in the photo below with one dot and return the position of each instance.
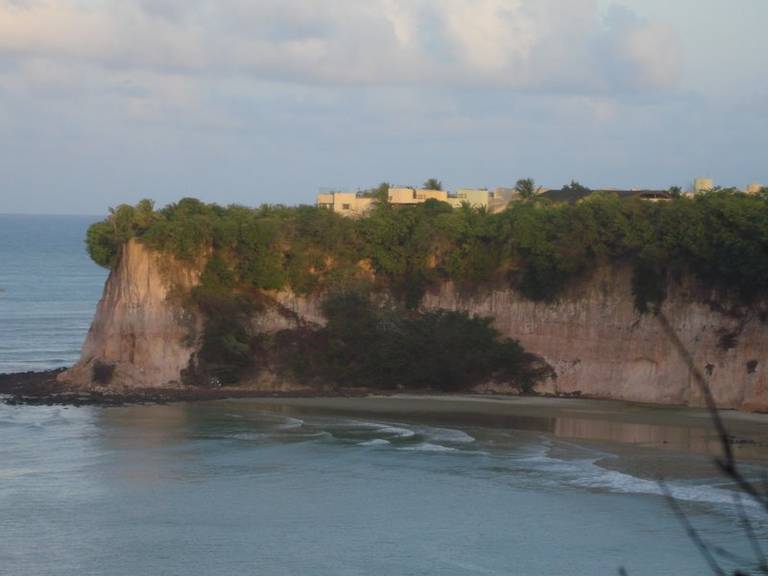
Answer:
(140, 326)
(598, 344)
(601, 347)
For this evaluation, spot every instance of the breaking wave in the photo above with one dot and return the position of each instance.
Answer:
(586, 473)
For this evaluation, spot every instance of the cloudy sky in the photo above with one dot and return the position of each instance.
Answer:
(251, 101)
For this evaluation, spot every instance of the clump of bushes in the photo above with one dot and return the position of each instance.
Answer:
(383, 345)
(227, 342)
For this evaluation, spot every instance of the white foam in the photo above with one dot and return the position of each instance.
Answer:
(585, 473)
(302, 435)
(11, 473)
(428, 447)
(291, 424)
(249, 436)
(375, 442)
(450, 435)
(615, 481)
(397, 431)
(359, 424)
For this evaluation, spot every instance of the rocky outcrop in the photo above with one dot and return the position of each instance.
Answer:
(141, 329)
(597, 343)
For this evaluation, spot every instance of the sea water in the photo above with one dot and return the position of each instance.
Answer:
(49, 288)
(239, 487)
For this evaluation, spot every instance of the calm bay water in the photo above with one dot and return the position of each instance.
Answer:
(240, 487)
(364, 487)
(49, 288)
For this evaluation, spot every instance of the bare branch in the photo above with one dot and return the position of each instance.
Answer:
(728, 462)
(693, 534)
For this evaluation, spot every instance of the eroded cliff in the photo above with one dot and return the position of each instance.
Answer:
(601, 347)
(141, 327)
(593, 337)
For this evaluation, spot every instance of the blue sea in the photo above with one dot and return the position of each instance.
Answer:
(49, 288)
(336, 487)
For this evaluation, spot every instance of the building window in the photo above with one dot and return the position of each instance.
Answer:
(345, 206)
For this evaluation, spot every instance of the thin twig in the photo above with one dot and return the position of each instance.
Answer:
(754, 542)
(693, 534)
(728, 463)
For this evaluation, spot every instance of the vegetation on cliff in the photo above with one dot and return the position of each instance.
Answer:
(380, 344)
(538, 247)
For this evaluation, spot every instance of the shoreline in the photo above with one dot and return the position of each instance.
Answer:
(42, 388)
(587, 421)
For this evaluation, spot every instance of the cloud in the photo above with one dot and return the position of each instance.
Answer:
(637, 53)
(519, 44)
(490, 34)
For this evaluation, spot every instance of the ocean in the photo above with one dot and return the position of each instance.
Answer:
(280, 488)
(335, 487)
(49, 288)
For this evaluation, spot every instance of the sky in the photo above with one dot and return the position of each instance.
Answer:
(252, 101)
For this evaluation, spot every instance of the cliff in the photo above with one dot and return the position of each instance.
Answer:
(140, 326)
(601, 347)
(594, 339)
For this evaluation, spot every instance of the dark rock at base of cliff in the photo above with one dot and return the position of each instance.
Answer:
(43, 389)
(33, 383)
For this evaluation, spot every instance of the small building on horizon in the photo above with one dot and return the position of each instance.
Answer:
(350, 204)
(702, 185)
(475, 197)
(405, 196)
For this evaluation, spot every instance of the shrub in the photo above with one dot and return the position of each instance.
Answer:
(383, 345)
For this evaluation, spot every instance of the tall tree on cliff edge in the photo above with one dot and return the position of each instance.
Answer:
(526, 188)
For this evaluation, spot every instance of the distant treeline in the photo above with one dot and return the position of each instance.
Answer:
(536, 246)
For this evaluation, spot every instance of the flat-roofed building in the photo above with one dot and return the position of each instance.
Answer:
(754, 188)
(475, 197)
(346, 203)
(325, 201)
(423, 195)
(701, 185)
(400, 195)
(358, 204)
(405, 196)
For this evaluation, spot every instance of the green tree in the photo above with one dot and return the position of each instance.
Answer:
(526, 188)
(102, 244)
(381, 192)
(577, 188)
(433, 184)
